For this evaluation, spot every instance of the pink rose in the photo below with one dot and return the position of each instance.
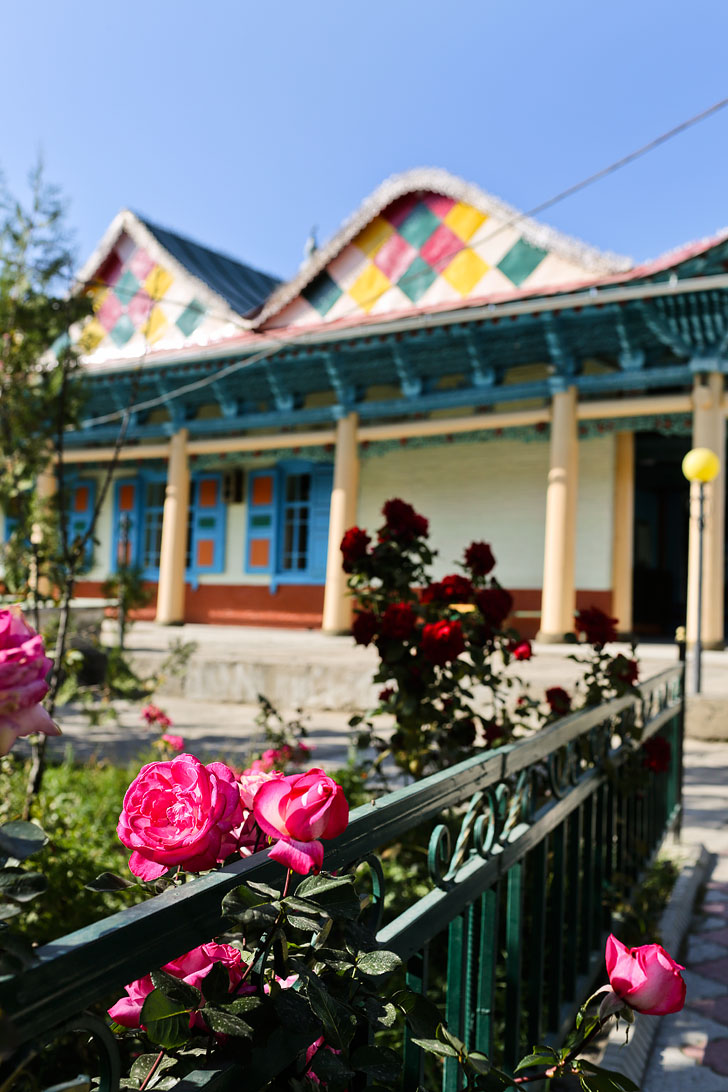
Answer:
(298, 811)
(179, 813)
(248, 836)
(645, 978)
(23, 669)
(191, 968)
(175, 742)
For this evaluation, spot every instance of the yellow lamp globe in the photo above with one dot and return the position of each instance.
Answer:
(701, 465)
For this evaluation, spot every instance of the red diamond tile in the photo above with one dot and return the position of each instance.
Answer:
(438, 204)
(141, 264)
(394, 257)
(400, 209)
(109, 312)
(139, 308)
(441, 248)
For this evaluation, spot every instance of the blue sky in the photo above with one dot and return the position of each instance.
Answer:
(243, 124)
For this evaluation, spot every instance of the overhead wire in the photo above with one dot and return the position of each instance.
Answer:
(276, 344)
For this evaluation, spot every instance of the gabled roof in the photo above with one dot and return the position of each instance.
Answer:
(393, 201)
(243, 287)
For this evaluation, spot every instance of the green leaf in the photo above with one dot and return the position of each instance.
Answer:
(242, 899)
(329, 1067)
(177, 991)
(108, 881)
(144, 1063)
(434, 1046)
(446, 1037)
(306, 925)
(9, 910)
(313, 886)
(540, 1056)
(378, 964)
(20, 839)
(619, 1081)
(383, 1015)
(167, 1024)
(338, 1021)
(225, 1023)
(380, 1063)
(294, 1012)
(423, 1016)
(244, 1004)
(21, 886)
(263, 889)
(217, 983)
(478, 1061)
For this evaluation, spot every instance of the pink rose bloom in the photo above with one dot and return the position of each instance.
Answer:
(179, 813)
(23, 669)
(248, 836)
(175, 742)
(645, 978)
(191, 968)
(298, 811)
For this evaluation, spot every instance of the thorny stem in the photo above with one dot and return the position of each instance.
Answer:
(276, 924)
(570, 1057)
(152, 1071)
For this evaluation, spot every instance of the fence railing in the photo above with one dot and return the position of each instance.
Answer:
(526, 849)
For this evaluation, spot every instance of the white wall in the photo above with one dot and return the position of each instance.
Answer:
(496, 492)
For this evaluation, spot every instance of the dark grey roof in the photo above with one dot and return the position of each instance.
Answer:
(243, 287)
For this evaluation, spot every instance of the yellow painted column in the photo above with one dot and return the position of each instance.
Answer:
(623, 531)
(171, 588)
(46, 487)
(558, 598)
(708, 431)
(337, 602)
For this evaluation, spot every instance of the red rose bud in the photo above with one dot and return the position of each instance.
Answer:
(492, 732)
(385, 694)
(442, 642)
(479, 558)
(559, 701)
(520, 650)
(624, 670)
(494, 604)
(354, 547)
(597, 627)
(398, 621)
(364, 627)
(402, 523)
(451, 589)
(657, 754)
(645, 978)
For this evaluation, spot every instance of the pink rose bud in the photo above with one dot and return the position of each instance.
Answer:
(298, 811)
(175, 742)
(645, 978)
(23, 669)
(179, 813)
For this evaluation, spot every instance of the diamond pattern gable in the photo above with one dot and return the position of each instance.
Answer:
(433, 248)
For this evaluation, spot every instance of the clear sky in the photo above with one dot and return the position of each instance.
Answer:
(242, 125)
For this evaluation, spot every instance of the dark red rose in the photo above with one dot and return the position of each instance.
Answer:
(597, 627)
(442, 641)
(386, 694)
(403, 524)
(520, 650)
(559, 701)
(492, 732)
(657, 754)
(451, 589)
(494, 604)
(364, 627)
(479, 558)
(354, 547)
(623, 670)
(398, 621)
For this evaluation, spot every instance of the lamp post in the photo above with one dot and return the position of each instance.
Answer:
(700, 465)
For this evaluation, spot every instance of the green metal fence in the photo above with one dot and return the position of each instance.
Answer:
(526, 848)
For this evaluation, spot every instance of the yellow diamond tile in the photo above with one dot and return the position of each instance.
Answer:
(368, 287)
(373, 236)
(155, 325)
(92, 335)
(97, 295)
(464, 220)
(465, 270)
(157, 282)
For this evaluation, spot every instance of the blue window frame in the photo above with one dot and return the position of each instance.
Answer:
(288, 521)
(80, 499)
(138, 517)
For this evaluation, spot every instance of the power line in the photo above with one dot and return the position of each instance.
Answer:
(279, 343)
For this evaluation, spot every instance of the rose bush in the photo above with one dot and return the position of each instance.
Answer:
(645, 978)
(179, 813)
(23, 670)
(298, 811)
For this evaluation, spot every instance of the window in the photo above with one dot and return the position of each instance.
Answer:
(288, 521)
(152, 524)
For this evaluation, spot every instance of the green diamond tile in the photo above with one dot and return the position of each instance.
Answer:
(520, 261)
(418, 278)
(322, 293)
(191, 317)
(122, 331)
(126, 287)
(419, 225)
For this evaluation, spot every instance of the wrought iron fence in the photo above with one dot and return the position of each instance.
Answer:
(525, 847)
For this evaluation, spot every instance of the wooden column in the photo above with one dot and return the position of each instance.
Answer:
(623, 531)
(337, 602)
(558, 598)
(708, 431)
(171, 589)
(46, 487)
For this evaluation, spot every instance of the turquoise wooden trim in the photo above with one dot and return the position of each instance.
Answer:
(261, 520)
(200, 529)
(134, 523)
(79, 523)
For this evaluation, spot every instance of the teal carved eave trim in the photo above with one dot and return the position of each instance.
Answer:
(667, 424)
(524, 433)
(322, 453)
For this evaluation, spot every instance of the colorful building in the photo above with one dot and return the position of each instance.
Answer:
(513, 384)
